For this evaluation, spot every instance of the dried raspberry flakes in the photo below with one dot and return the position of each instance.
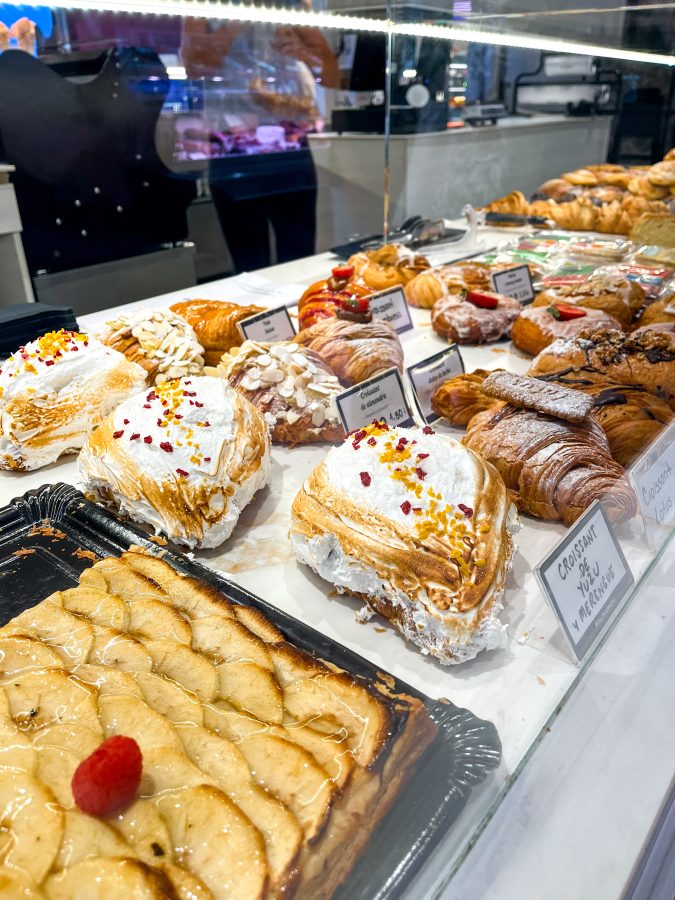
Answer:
(371, 441)
(182, 472)
(117, 434)
(422, 456)
(166, 446)
(197, 403)
(107, 781)
(146, 406)
(421, 474)
(365, 479)
(428, 430)
(189, 393)
(148, 439)
(406, 506)
(207, 459)
(159, 423)
(468, 512)
(126, 421)
(50, 362)
(151, 396)
(135, 436)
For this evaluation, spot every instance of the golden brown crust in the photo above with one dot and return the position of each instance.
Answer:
(514, 203)
(553, 469)
(215, 324)
(659, 311)
(583, 177)
(646, 359)
(618, 297)
(354, 351)
(388, 266)
(536, 327)
(460, 398)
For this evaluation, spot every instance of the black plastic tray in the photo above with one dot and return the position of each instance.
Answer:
(463, 752)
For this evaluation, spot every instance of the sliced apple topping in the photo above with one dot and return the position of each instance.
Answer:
(31, 825)
(229, 641)
(85, 836)
(189, 669)
(251, 689)
(115, 649)
(170, 699)
(48, 622)
(50, 696)
(20, 653)
(98, 606)
(108, 878)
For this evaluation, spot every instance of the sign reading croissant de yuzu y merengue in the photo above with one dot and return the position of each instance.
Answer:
(653, 477)
(429, 374)
(584, 578)
(380, 397)
(270, 325)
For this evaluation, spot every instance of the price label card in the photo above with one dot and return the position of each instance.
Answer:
(270, 325)
(653, 478)
(391, 307)
(380, 397)
(516, 283)
(584, 578)
(429, 374)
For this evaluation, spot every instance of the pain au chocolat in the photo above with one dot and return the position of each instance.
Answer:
(265, 770)
(416, 525)
(185, 458)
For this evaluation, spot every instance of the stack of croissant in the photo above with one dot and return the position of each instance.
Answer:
(606, 198)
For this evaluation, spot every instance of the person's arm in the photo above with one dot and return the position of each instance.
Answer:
(310, 47)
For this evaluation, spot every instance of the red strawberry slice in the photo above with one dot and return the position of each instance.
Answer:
(343, 272)
(565, 312)
(107, 781)
(482, 299)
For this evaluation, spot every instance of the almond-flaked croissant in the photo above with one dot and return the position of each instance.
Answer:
(553, 469)
(215, 324)
(354, 351)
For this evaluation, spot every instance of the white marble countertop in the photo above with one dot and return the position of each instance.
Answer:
(518, 688)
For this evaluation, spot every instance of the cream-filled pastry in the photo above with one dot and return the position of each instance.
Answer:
(185, 457)
(416, 525)
(159, 340)
(54, 392)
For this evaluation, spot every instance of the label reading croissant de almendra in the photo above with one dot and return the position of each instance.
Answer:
(516, 283)
(584, 578)
(380, 397)
(269, 325)
(390, 306)
(429, 374)
(653, 478)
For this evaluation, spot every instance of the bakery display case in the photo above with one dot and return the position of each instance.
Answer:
(359, 568)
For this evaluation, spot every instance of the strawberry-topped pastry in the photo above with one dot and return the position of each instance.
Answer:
(538, 326)
(474, 316)
(340, 294)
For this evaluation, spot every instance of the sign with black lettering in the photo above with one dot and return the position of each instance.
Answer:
(429, 374)
(653, 478)
(380, 397)
(516, 283)
(585, 577)
(270, 325)
(390, 306)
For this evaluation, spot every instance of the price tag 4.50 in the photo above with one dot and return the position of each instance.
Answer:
(584, 578)
(380, 397)
(426, 376)
(269, 325)
(516, 283)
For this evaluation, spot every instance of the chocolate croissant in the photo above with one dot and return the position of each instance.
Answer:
(354, 351)
(554, 469)
(215, 324)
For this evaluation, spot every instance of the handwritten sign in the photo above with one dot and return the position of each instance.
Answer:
(516, 283)
(426, 376)
(270, 325)
(653, 478)
(391, 307)
(584, 578)
(380, 397)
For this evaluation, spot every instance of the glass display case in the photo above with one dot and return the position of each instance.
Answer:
(508, 153)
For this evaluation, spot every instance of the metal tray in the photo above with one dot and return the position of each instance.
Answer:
(56, 523)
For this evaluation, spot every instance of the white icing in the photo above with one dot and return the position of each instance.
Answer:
(210, 427)
(90, 380)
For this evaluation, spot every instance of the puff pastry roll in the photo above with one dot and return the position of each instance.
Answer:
(54, 391)
(554, 469)
(355, 351)
(184, 458)
(215, 323)
(416, 525)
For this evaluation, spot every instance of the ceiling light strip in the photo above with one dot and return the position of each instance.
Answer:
(278, 16)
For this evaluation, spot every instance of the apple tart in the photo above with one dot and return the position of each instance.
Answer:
(54, 392)
(264, 769)
(185, 458)
(416, 525)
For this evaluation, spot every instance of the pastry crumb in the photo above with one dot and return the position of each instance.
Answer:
(158, 539)
(540, 680)
(498, 349)
(85, 554)
(379, 630)
(47, 530)
(25, 552)
(522, 639)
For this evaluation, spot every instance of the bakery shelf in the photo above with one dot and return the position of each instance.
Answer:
(521, 689)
